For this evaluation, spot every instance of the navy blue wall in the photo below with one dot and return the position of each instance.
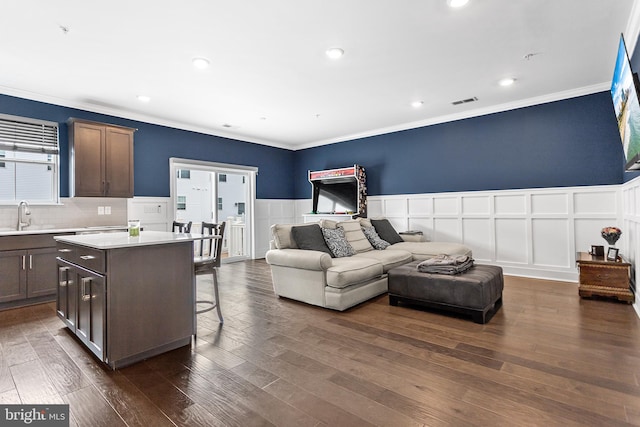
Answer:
(154, 145)
(572, 142)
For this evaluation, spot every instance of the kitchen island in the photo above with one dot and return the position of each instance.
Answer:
(127, 298)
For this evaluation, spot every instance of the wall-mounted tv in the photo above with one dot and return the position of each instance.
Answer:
(624, 91)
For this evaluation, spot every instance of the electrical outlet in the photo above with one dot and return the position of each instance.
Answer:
(100, 210)
(107, 210)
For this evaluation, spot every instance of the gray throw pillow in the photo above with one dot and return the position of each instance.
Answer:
(337, 242)
(310, 237)
(374, 238)
(386, 231)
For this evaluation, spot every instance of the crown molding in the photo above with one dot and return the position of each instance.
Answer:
(130, 115)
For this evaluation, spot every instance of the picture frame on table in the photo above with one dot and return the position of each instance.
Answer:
(612, 254)
(597, 250)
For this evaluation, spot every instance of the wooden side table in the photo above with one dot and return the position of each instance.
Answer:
(600, 277)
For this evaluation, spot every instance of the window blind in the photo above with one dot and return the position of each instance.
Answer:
(24, 134)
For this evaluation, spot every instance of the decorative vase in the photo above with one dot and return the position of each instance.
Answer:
(611, 235)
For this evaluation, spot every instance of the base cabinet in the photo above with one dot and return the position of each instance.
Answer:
(13, 276)
(81, 304)
(27, 274)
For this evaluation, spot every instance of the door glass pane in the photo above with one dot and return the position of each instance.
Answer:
(233, 191)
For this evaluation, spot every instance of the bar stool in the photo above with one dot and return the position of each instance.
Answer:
(207, 261)
(181, 227)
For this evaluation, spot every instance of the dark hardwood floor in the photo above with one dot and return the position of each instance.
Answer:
(546, 358)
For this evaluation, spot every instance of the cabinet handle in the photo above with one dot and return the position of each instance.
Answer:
(30, 262)
(64, 250)
(24, 261)
(87, 257)
(84, 281)
(61, 271)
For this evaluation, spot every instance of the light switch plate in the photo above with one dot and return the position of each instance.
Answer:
(100, 210)
(107, 210)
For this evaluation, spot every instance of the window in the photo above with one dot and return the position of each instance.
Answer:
(184, 173)
(219, 203)
(181, 205)
(29, 167)
(222, 177)
(240, 208)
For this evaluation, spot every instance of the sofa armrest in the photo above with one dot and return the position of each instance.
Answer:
(413, 237)
(299, 258)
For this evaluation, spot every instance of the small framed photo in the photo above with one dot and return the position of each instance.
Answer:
(597, 250)
(612, 254)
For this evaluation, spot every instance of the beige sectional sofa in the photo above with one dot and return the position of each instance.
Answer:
(317, 278)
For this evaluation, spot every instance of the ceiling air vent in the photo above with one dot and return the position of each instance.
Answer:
(465, 101)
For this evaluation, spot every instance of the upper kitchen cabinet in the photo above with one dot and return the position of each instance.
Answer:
(101, 159)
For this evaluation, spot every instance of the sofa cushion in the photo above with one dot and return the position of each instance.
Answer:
(355, 236)
(352, 270)
(386, 231)
(388, 258)
(426, 250)
(310, 237)
(337, 242)
(282, 236)
(374, 238)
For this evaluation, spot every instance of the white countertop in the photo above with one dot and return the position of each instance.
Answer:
(96, 229)
(122, 240)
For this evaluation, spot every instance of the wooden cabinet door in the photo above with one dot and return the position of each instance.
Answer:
(13, 275)
(67, 301)
(41, 272)
(88, 153)
(118, 161)
(91, 324)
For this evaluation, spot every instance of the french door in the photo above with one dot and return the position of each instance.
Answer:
(216, 192)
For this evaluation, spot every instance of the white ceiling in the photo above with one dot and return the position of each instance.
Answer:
(270, 80)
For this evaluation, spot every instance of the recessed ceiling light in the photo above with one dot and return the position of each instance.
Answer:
(200, 63)
(417, 104)
(457, 3)
(144, 98)
(334, 52)
(507, 81)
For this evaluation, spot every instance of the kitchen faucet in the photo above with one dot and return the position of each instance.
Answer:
(23, 210)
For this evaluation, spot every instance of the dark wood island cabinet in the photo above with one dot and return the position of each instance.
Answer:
(127, 298)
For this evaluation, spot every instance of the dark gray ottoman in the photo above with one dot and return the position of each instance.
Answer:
(477, 292)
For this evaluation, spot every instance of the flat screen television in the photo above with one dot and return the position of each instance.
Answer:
(624, 91)
(335, 196)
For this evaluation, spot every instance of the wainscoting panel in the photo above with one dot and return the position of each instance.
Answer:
(511, 233)
(420, 206)
(272, 211)
(445, 206)
(478, 234)
(550, 242)
(447, 230)
(514, 204)
(529, 232)
(629, 243)
(550, 204)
